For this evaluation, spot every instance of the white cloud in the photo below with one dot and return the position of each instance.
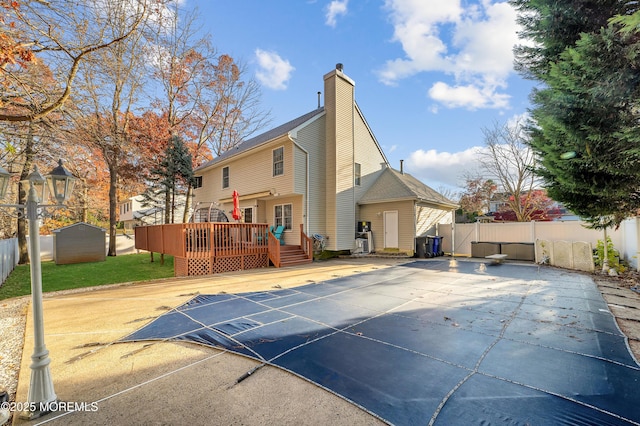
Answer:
(450, 168)
(472, 45)
(274, 72)
(469, 96)
(335, 9)
(518, 120)
(444, 168)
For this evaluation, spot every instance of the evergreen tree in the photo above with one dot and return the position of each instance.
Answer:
(550, 26)
(585, 113)
(174, 172)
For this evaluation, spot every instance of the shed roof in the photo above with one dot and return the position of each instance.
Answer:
(392, 185)
(263, 138)
(79, 224)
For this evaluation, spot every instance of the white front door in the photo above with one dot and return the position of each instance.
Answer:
(391, 229)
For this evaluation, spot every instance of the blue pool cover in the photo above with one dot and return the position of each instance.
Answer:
(435, 342)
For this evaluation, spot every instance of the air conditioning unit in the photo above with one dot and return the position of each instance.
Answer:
(364, 242)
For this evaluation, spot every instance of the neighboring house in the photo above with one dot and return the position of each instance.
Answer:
(498, 202)
(562, 213)
(134, 213)
(545, 209)
(326, 171)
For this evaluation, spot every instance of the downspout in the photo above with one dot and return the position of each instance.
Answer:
(306, 191)
(353, 161)
(415, 224)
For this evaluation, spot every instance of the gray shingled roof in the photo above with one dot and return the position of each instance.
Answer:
(393, 185)
(264, 137)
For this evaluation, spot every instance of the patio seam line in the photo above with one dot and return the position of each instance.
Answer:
(513, 316)
(208, 327)
(338, 330)
(558, 395)
(475, 369)
(270, 309)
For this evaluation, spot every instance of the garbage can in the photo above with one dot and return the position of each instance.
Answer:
(421, 247)
(437, 245)
(431, 252)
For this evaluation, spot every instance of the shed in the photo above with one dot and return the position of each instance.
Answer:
(79, 243)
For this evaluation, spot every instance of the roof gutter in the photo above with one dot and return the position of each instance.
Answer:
(417, 200)
(218, 162)
(439, 205)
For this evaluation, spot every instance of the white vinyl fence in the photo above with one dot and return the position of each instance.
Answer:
(9, 251)
(625, 238)
(8, 257)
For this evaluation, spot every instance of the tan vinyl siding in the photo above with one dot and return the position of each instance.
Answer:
(249, 174)
(340, 202)
(312, 139)
(345, 197)
(406, 223)
(300, 170)
(330, 157)
(368, 155)
(210, 186)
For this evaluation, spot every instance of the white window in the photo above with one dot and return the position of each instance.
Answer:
(282, 215)
(278, 161)
(356, 172)
(225, 177)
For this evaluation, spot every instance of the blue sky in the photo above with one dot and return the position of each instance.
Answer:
(429, 74)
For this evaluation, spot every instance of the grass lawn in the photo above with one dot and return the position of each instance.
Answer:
(119, 269)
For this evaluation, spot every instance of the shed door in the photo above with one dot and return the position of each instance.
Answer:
(391, 229)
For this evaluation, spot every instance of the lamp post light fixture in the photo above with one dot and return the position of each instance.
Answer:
(41, 393)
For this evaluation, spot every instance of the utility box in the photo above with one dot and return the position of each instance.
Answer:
(483, 249)
(79, 243)
(519, 251)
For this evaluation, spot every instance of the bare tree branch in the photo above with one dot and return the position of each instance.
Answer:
(42, 20)
(510, 161)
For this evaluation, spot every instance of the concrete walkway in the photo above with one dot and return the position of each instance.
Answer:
(176, 383)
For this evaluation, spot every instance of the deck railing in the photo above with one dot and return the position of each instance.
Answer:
(203, 240)
(214, 247)
(306, 243)
(274, 250)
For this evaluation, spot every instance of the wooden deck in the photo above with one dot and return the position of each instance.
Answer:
(215, 247)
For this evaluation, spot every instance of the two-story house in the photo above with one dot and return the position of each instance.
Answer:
(326, 171)
(134, 211)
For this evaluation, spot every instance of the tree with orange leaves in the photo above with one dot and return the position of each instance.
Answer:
(207, 98)
(61, 34)
(12, 51)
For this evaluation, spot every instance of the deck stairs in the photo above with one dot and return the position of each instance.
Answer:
(291, 255)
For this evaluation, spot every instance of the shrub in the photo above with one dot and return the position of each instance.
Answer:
(613, 256)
